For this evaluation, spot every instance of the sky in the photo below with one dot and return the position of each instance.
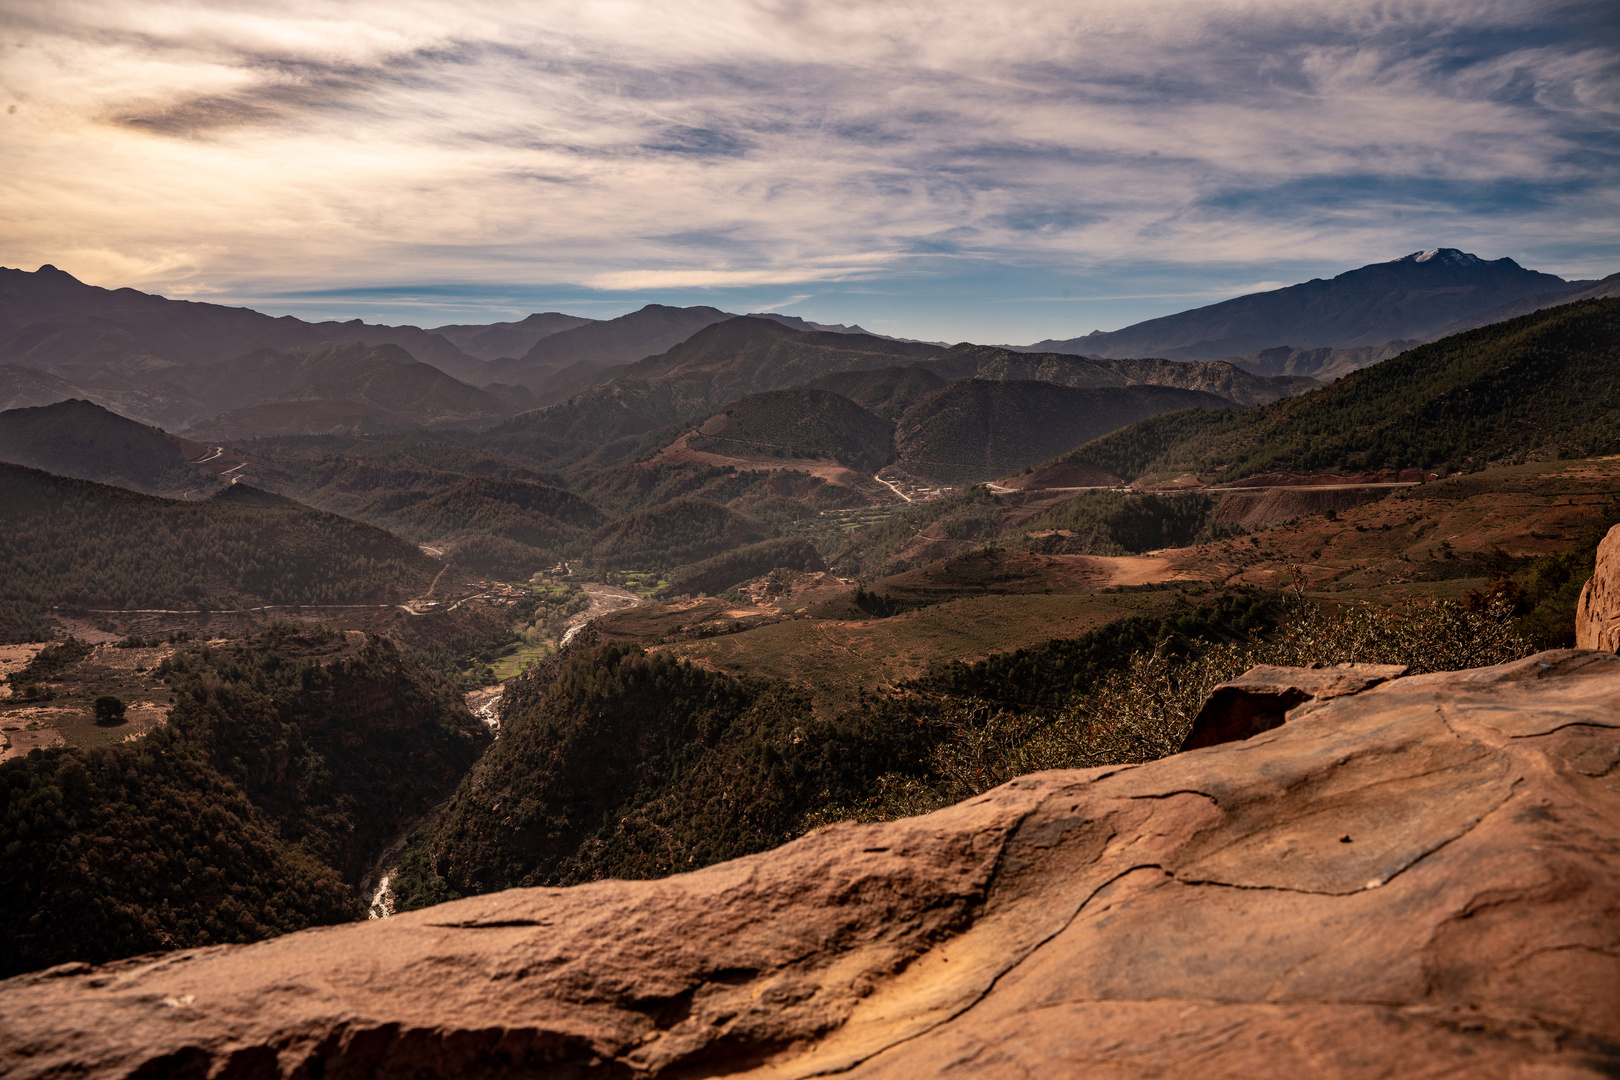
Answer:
(994, 172)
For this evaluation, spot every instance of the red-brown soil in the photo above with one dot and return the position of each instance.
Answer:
(1062, 475)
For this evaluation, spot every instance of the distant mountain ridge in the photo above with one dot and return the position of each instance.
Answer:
(1225, 380)
(493, 341)
(51, 320)
(343, 389)
(1418, 296)
(1595, 290)
(719, 364)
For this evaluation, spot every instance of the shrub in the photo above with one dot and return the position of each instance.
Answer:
(1144, 710)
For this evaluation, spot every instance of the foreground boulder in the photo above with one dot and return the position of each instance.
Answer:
(1597, 614)
(1419, 878)
(1261, 698)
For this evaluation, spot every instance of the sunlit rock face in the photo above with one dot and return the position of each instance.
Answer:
(1597, 616)
(1415, 877)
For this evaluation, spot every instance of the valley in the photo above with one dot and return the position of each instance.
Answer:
(421, 614)
(680, 541)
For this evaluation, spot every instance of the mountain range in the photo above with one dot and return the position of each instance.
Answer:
(219, 372)
(140, 355)
(1422, 296)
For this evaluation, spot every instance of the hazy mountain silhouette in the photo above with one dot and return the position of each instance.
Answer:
(600, 345)
(495, 341)
(25, 388)
(1418, 296)
(335, 389)
(123, 339)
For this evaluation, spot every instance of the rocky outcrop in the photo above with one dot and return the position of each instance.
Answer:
(1421, 878)
(1261, 698)
(1597, 616)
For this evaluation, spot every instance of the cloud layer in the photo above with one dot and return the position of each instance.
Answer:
(638, 149)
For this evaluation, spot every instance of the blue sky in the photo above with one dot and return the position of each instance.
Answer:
(944, 170)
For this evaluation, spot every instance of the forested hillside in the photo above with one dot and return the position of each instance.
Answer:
(684, 531)
(620, 764)
(716, 575)
(1241, 387)
(714, 367)
(83, 440)
(348, 386)
(887, 392)
(72, 542)
(287, 762)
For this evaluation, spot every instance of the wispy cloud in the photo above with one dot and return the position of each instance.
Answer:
(226, 148)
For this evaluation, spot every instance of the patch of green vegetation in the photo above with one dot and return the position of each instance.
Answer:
(970, 514)
(539, 626)
(1544, 592)
(830, 530)
(644, 583)
(49, 662)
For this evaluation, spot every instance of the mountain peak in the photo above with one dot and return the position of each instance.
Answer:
(1444, 255)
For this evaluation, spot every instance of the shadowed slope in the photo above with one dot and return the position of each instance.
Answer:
(976, 430)
(79, 439)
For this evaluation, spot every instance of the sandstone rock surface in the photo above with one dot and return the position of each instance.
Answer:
(1418, 879)
(1597, 615)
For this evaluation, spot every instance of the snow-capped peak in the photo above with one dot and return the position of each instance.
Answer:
(1445, 255)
